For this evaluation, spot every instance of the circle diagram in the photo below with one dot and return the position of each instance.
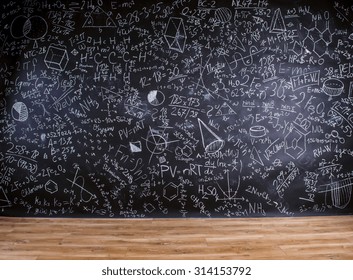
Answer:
(17, 27)
(155, 97)
(33, 28)
(223, 15)
(19, 112)
(156, 144)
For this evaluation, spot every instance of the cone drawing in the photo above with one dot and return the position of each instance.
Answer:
(210, 141)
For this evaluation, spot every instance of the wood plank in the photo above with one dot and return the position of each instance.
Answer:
(255, 238)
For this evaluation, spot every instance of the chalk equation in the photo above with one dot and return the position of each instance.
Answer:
(176, 108)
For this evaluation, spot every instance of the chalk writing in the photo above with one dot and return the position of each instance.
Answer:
(176, 108)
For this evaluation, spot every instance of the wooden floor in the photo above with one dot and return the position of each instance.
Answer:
(265, 238)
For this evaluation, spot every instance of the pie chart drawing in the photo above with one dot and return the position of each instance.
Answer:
(19, 112)
(155, 97)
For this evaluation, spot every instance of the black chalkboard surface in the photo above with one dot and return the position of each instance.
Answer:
(237, 108)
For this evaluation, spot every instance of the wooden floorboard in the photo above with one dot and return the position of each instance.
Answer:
(257, 238)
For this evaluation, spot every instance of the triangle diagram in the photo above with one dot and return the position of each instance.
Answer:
(225, 110)
(277, 23)
(4, 201)
(98, 18)
(255, 156)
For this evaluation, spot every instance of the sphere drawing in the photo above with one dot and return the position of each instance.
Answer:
(19, 112)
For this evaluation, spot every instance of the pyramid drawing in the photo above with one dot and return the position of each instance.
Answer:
(98, 18)
(255, 156)
(239, 44)
(136, 147)
(4, 201)
(277, 23)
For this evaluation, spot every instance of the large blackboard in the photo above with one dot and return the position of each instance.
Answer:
(176, 108)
